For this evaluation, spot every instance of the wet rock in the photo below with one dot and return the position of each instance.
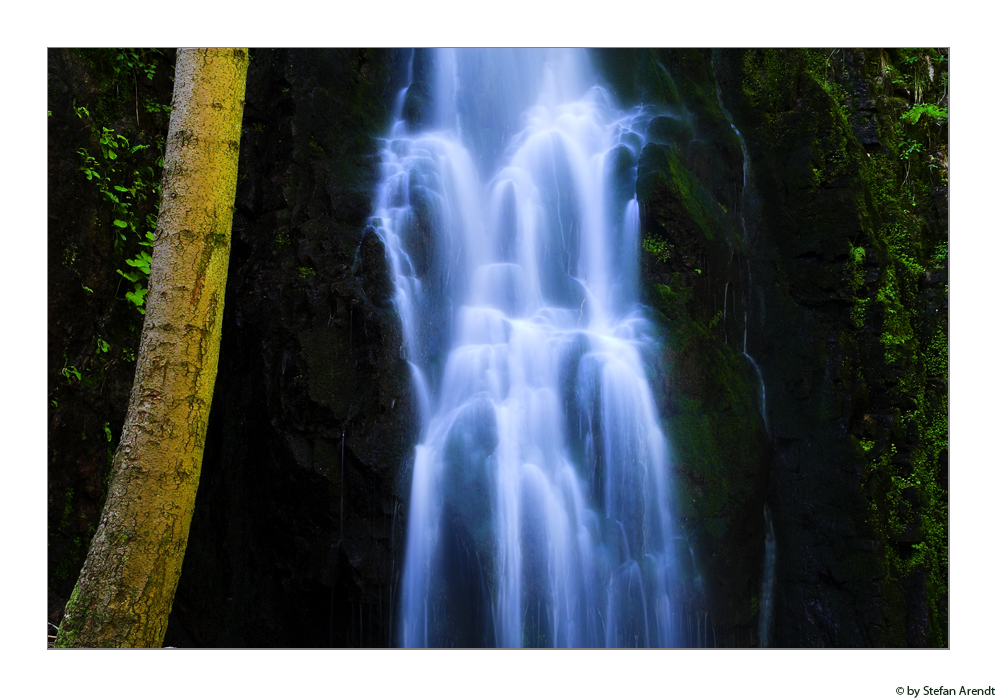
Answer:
(668, 129)
(865, 128)
(378, 285)
(417, 107)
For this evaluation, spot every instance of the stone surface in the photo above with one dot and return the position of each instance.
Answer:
(298, 528)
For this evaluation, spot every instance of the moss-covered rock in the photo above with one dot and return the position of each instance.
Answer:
(851, 257)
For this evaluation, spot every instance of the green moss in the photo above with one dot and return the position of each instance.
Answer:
(315, 148)
(897, 330)
(698, 203)
(660, 169)
(637, 76)
(917, 533)
(941, 254)
(68, 638)
(908, 502)
(67, 510)
(856, 273)
(936, 355)
(805, 111)
(772, 79)
(716, 454)
(659, 249)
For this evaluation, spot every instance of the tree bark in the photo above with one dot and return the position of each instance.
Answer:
(125, 590)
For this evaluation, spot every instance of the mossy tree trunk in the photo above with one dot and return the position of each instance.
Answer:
(125, 590)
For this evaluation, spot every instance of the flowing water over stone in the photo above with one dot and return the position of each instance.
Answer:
(539, 512)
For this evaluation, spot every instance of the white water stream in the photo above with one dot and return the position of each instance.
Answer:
(539, 512)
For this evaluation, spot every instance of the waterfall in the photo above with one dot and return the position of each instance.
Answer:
(539, 513)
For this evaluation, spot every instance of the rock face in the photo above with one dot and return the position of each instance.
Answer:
(297, 535)
(801, 294)
(850, 258)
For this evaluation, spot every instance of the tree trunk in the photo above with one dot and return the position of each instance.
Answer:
(125, 590)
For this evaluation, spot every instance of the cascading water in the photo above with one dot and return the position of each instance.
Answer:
(539, 513)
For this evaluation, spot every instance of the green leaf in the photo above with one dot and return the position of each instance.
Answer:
(120, 224)
(131, 277)
(120, 188)
(137, 297)
(930, 110)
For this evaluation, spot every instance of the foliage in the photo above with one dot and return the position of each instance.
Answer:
(908, 472)
(114, 122)
(929, 110)
(659, 249)
(70, 373)
(891, 278)
(128, 180)
(129, 188)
